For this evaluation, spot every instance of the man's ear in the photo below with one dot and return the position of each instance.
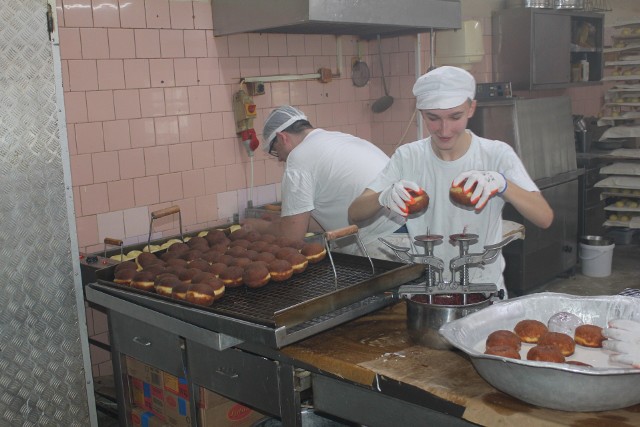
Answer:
(472, 108)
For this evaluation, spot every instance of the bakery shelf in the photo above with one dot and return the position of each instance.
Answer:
(624, 63)
(614, 208)
(630, 47)
(621, 24)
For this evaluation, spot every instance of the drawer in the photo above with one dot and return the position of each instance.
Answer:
(146, 343)
(238, 375)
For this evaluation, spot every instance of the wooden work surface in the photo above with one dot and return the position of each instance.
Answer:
(379, 345)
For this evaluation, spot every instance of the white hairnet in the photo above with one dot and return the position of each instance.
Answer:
(278, 120)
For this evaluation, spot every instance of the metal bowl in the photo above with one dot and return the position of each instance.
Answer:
(596, 240)
(551, 385)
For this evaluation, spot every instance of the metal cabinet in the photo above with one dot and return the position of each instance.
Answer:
(541, 48)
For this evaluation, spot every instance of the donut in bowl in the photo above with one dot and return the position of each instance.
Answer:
(504, 337)
(545, 353)
(530, 331)
(504, 351)
(564, 342)
(589, 336)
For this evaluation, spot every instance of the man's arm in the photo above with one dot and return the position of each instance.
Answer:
(364, 206)
(293, 226)
(531, 204)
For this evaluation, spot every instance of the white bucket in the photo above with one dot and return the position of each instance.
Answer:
(596, 260)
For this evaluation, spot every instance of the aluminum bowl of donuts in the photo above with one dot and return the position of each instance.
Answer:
(546, 368)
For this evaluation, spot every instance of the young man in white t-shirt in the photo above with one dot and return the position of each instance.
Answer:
(449, 156)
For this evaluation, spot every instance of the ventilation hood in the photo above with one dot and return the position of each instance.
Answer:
(364, 18)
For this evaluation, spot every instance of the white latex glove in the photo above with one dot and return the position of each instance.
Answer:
(624, 340)
(489, 184)
(395, 196)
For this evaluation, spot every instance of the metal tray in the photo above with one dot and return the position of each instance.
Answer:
(551, 385)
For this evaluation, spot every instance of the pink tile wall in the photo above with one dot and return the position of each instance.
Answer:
(148, 93)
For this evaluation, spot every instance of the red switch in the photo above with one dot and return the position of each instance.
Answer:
(251, 108)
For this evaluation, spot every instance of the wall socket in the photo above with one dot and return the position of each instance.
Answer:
(255, 88)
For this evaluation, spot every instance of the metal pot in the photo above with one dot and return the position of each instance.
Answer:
(541, 4)
(424, 320)
(596, 240)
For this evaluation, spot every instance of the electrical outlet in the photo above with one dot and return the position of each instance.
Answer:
(255, 88)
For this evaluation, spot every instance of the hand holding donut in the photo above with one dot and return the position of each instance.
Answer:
(396, 196)
(487, 184)
(624, 340)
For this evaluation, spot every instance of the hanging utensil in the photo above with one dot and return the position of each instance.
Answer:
(360, 71)
(383, 103)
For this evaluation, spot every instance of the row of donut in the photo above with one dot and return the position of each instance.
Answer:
(223, 264)
(554, 343)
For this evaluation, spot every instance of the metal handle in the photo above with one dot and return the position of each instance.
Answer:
(160, 214)
(227, 374)
(142, 341)
(114, 242)
(341, 232)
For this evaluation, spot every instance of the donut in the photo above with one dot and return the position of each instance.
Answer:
(236, 251)
(280, 270)
(256, 276)
(564, 342)
(191, 254)
(243, 243)
(216, 268)
(298, 262)
(271, 248)
(219, 247)
(545, 353)
(126, 265)
(419, 201)
(186, 275)
(226, 259)
(215, 236)
(165, 283)
(124, 276)
(589, 336)
(269, 238)
(168, 256)
(155, 269)
(178, 247)
(504, 351)
(578, 363)
(180, 291)
(238, 234)
(252, 236)
(216, 284)
(257, 263)
(297, 244)
(201, 294)
(232, 276)
(177, 262)
(503, 338)
(258, 246)
(266, 257)
(143, 280)
(283, 241)
(564, 322)
(458, 196)
(145, 259)
(530, 331)
(197, 242)
(240, 262)
(315, 252)
(199, 264)
(285, 252)
(251, 254)
(202, 277)
(174, 270)
(211, 256)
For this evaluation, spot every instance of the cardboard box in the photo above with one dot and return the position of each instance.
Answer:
(176, 410)
(142, 418)
(144, 372)
(218, 411)
(176, 385)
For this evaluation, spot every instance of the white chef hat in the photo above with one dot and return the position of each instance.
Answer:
(444, 87)
(278, 120)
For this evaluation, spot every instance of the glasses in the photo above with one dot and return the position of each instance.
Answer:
(272, 150)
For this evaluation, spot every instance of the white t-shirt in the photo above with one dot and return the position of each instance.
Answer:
(325, 173)
(418, 163)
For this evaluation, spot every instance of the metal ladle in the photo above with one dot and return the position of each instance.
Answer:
(383, 103)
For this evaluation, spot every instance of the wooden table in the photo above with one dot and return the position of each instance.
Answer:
(374, 353)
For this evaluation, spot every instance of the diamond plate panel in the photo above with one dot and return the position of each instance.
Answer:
(41, 367)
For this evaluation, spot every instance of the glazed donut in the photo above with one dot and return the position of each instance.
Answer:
(256, 276)
(201, 294)
(232, 276)
(298, 262)
(124, 276)
(217, 268)
(315, 252)
(545, 353)
(504, 351)
(177, 262)
(280, 270)
(146, 259)
(564, 342)
(589, 336)
(265, 256)
(165, 283)
(186, 275)
(530, 331)
(199, 264)
(126, 265)
(286, 252)
(503, 338)
(143, 280)
(240, 262)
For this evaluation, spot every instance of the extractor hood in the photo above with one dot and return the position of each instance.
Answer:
(364, 18)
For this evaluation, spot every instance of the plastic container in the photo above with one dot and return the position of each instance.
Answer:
(596, 255)
(621, 236)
